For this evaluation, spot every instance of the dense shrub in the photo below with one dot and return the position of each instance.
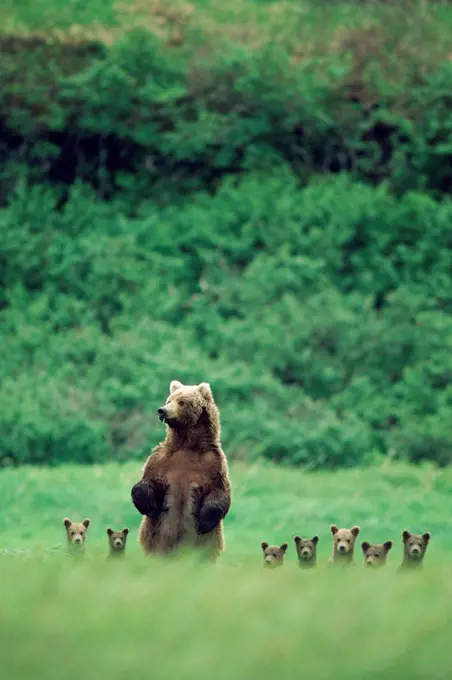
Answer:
(321, 316)
(205, 202)
(369, 97)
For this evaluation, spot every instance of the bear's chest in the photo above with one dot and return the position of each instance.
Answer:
(185, 467)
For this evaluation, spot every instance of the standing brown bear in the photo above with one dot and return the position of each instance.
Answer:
(185, 492)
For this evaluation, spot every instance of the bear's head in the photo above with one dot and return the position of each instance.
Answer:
(306, 550)
(375, 555)
(344, 540)
(273, 554)
(76, 532)
(117, 540)
(414, 546)
(186, 405)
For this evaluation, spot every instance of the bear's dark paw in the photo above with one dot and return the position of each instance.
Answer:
(142, 499)
(208, 519)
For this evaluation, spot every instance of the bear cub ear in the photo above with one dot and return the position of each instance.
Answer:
(283, 547)
(175, 385)
(205, 390)
(365, 546)
(426, 536)
(315, 540)
(405, 535)
(109, 531)
(67, 522)
(125, 532)
(86, 523)
(264, 546)
(334, 529)
(355, 530)
(387, 545)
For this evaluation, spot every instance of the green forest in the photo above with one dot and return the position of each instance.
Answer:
(256, 196)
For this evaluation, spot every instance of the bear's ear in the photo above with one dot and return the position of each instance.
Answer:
(205, 390)
(405, 535)
(264, 546)
(174, 385)
(355, 531)
(67, 522)
(365, 546)
(283, 547)
(109, 531)
(334, 529)
(125, 531)
(426, 536)
(315, 540)
(387, 545)
(86, 523)
(297, 539)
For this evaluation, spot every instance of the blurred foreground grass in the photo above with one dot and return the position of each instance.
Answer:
(145, 618)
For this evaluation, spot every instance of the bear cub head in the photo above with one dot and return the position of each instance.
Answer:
(375, 555)
(306, 550)
(117, 542)
(414, 547)
(76, 534)
(185, 405)
(273, 554)
(343, 543)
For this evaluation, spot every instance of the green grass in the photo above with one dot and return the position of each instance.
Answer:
(270, 503)
(178, 619)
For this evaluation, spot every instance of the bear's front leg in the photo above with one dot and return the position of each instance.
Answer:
(148, 496)
(213, 509)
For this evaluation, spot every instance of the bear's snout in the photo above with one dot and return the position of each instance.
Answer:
(77, 540)
(342, 548)
(162, 413)
(306, 553)
(270, 563)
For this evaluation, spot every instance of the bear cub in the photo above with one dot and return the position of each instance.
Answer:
(273, 554)
(76, 536)
(306, 551)
(414, 549)
(343, 544)
(117, 541)
(375, 555)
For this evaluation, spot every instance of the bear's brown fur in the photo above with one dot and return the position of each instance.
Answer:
(343, 544)
(273, 554)
(117, 541)
(306, 551)
(375, 555)
(414, 549)
(76, 536)
(185, 492)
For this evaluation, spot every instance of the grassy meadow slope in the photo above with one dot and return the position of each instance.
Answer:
(146, 618)
(270, 503)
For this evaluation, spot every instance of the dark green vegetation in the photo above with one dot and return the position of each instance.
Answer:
(187, 621)
(254, 196)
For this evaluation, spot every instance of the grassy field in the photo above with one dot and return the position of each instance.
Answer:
(270, 503)
(60, 620)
